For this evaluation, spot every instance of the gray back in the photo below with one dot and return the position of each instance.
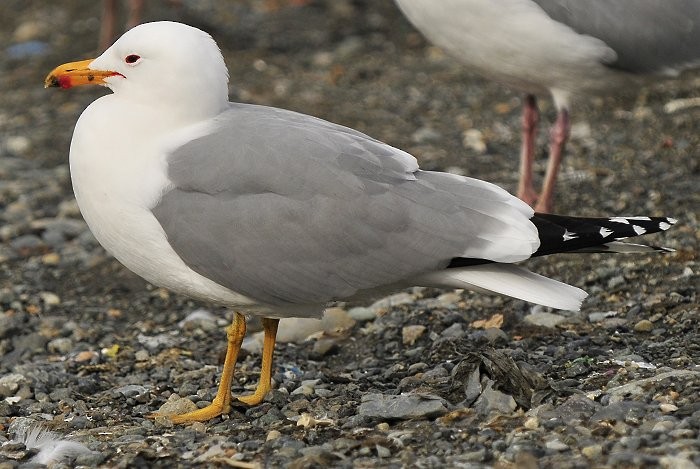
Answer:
(287, 208)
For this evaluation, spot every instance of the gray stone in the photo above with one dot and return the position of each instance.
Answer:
(455, 331)
(401, 407)
(618, 411)
(576, 407)
(601, 316)
(382, 451)
(616, 281)
(10, 383)
(556, 445)
(131, 390)
(61, 345)
(474, 456)
(91, 459)
(437, 375)
(27, 245)
(473, 388)
(543, 319)
(495, 334)
(664, 426)
(492, 400)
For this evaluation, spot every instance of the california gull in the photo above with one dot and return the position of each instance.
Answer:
(276, 213)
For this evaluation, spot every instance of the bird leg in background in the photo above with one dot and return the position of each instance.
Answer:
(109, 19)
(222, 402)
(270, 326)
(531, 117)
(559, 135)
(109, 13)
(135, 13)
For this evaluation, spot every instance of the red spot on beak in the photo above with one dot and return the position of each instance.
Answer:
(64, 81)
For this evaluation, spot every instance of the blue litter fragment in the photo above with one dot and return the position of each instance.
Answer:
(27, 49)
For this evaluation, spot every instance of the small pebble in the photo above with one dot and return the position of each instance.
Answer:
(382, 451)
(556, 445)
(592, 451)
(49, 298)
(644, 326)
(410, 334)
(425, 135)
(51, 258)
(531, 423)
(544, 319)
(177, 405)
(473, 139)
(18, 144)
(667, 408)
(663, 426)
(60, 345)
(455, 331)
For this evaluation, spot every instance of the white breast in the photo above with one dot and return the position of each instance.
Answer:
(118, 172)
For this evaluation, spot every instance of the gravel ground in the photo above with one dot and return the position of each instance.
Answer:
(421, 379)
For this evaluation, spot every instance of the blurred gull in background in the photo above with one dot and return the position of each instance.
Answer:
(564, 47)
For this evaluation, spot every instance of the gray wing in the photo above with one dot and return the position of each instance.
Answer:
(287, 208)
(649, 36)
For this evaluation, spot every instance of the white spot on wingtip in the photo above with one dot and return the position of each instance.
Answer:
(568, 235)
(672, 221)
(664, 226)
(619, 220)
(604, 232)
(639, 230)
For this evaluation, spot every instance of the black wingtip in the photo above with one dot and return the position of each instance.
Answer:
(590, 235)
(565, 234)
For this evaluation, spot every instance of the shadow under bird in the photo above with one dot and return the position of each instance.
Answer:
(566, 48)
(276, 213)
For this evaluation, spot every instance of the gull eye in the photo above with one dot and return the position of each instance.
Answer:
(132, 59)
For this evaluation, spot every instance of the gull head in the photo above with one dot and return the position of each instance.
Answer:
(157, 64)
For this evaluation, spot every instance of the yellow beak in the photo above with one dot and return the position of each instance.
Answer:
(76, 74)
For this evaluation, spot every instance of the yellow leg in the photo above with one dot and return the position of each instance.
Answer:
(222, 402)
(263, 388)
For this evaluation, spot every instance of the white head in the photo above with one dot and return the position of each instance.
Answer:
(158, 64)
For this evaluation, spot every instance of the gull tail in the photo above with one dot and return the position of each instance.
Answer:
(557, 234)
(510, 280)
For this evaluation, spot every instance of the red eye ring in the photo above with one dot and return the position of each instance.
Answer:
(132, 58)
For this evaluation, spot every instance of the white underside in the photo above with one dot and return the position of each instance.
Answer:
(117, 177)
(515, 42)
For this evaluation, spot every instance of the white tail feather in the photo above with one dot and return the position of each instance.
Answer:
(510, 280)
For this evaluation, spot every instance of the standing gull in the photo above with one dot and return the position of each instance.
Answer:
(276, 213)
(564, 47)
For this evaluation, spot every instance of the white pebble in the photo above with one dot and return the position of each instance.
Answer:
(17, 144)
